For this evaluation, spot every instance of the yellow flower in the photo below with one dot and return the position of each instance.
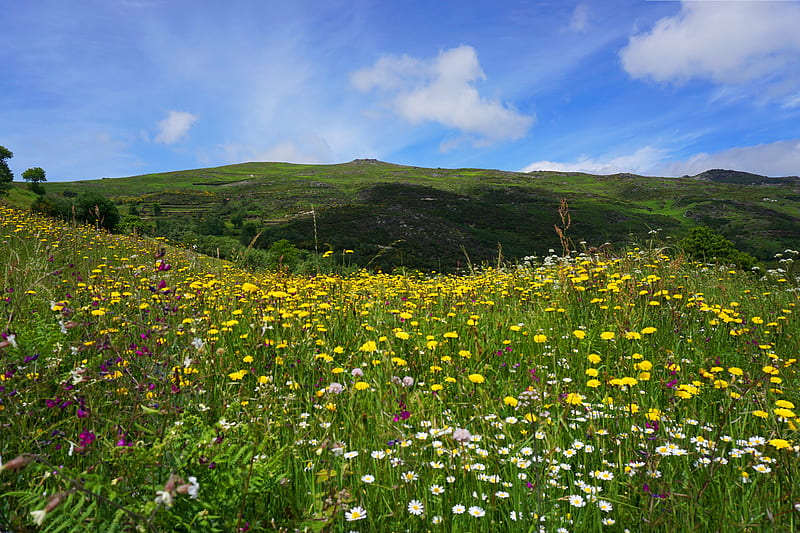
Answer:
(786, 404)
(436, 387)
(593, 383)
(369, 346)
(236, 376)
(594, 358)
(761, 414)
(633, 335)
(648, 330)
(249, 287)
(510, 400)
(402, 335)
(476, 378)
(779, 443)
(539, 338)
(784, 413)
(653, 414)
(579, 334)
(361, 385)
(607, 335)
(573, 398)
(451, 335)
(592, 372)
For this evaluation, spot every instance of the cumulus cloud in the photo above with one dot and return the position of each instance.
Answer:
(442, 90)
(640, 162)
(725, 42)
(174, 127)
(781, 158)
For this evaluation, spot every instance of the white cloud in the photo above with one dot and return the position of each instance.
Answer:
(781, 158)
(725, 42)
(309, 149)
(580, 18)
(640, 162)
(174, 127)
(442, 90)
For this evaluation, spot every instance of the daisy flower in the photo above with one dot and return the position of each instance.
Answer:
(356, 513)
(415, 507)
(459, 509)
(476, 511)
(576, 500)
(437, 490)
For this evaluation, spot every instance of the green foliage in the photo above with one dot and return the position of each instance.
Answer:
(96, 209)
(6, 176)
(34, 175)
(705, 244)
(394, 215)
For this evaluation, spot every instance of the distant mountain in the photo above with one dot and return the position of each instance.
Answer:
(743, 178)
(397, 215)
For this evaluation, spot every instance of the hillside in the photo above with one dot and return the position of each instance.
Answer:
(394, 215)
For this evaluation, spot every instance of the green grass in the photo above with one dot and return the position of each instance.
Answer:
(149, 388)
(479, 209)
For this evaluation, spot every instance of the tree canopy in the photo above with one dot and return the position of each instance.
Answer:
(34, 175)
(6, 176)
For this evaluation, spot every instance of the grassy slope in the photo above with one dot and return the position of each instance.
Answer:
(424, 217)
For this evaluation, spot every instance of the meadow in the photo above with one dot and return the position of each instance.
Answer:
(144, 387)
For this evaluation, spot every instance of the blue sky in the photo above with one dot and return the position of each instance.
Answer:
(96, 88)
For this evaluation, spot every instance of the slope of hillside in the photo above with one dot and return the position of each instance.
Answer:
(439, 218)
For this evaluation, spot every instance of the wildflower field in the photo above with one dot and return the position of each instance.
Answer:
(146, 388)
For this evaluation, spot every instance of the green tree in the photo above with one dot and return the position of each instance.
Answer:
(704, 244)
(97, 209)
(6, 176)
(35, 176)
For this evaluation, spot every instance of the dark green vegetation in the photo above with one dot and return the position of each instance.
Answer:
(393, 215)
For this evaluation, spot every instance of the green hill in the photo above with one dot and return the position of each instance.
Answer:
(394, 215)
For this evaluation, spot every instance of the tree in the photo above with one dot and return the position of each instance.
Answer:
(6, 176)
(705, 244)
(35, 176)
(96, 209)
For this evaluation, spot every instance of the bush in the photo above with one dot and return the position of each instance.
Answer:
(704, 244)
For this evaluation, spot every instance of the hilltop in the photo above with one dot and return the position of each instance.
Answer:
(396, 215)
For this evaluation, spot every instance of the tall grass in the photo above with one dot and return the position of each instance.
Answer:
(145, 388)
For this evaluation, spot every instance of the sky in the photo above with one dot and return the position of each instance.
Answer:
(110, 88)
